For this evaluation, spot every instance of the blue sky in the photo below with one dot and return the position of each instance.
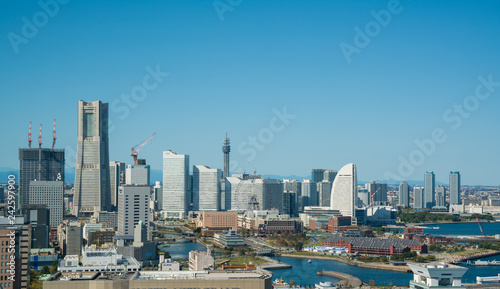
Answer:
(231, 70)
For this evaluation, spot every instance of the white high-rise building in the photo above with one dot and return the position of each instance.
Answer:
(324, 193)
(206, 187)
(344, 195)
(137, 175)
(175, 184)
(133, 207)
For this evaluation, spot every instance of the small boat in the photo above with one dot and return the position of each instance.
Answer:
(309, 261)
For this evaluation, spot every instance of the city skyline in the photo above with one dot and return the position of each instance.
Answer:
(299, 83)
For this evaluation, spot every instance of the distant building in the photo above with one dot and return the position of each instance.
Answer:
(317, 175)
(175, 184)
(49, 193)
(377, 193)
(116, 179)
(375, 246)
(137, 175)
(92, 184)
(103, 236)
(404, 194)
(133, 207)
(158, 195)
(429, 191)
(329, 175)
(90, 227)
(344, 195)
(244, 192)
(98, 260)
(418, 197)
(440, 196)
(38, 216)
(199, 261)
(293, 186)
(229, 238)
(289, 205)
(324, 193)
(280, 226)
(206, 188)
(40, 164)
(217, 222)
(336, 222)
(437, 275)
(74, 239)
(168, 264)
(226, 149)
(381, 215)
(310, 190)
(455, 188)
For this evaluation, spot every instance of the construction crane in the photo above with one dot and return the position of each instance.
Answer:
(29, 136)
(54, 134)
(139, 147)
(40, 138)
(371, 198)
(480, 227)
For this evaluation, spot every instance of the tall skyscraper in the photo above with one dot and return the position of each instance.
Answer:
(317, 175)
(133, 207)
(158, 195)
(40, 164)
(418, 198)
(226, 148)
(116, 179)
(455, 188)
(324, 193)
(344, 195)
(429, 190)
(310, 190)
(379, 192)
(92, 185)
(404, 194)
(175, 184)
(245, 192)
(440, 196)
(206, 187)
(329, 175)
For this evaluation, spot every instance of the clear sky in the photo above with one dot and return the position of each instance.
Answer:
(359, 81)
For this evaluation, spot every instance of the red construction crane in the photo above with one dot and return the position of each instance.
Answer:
(480, 227)
(139, 147)
(54, 135)
(40, 138)
(371, 198)
(29, 136)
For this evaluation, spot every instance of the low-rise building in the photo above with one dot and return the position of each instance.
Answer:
(336, 222)
(229, 238)
(437, 275)
(375, 246)
(99, 260)
(161, 279)
(280, 227)
(217, 222)
(199, 261)
(42, 257)
(168, 264)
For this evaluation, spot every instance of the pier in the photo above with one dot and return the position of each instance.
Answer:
(346, 280)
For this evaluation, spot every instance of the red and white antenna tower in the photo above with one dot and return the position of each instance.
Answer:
(29, 136)
(54, 135)
(40, 138)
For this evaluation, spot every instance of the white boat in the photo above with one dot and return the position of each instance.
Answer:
(325, 285)
(309, 261)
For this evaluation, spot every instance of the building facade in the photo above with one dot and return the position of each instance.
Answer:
(133, 207)
(137, 175)
(206, 188)
(50, 193)
(418, 198)
(92, 184)
(404, 194)
(429, 190)
(455, 188)
(344, 195)
(175, 184)
(116, 179)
